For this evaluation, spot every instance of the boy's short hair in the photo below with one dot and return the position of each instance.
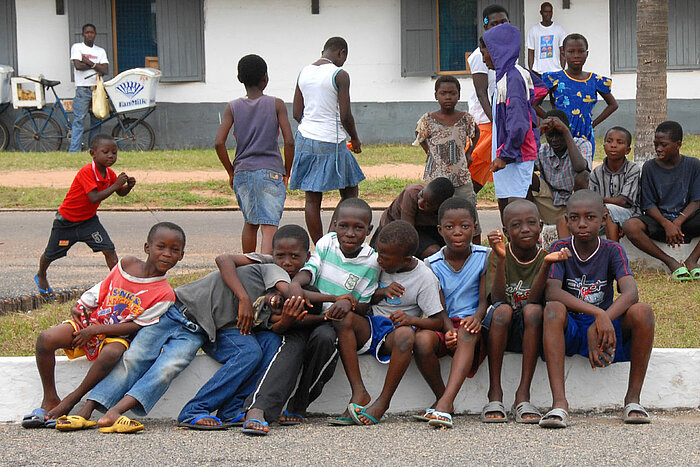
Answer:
(251, 69)
(546, 4)
(335, 43)
(99, 139)
(401, 234)
(447, 79)
(585, 195)
(292, 231)
(454, 204)
(442, 188)
(166, 225)
(575, 37)
(518, 204)
(355, 203)
(558, 113)
(628, 135)
(674, 130)
(491, 9)
(88, 25)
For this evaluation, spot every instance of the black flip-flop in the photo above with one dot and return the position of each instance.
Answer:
(254, 431)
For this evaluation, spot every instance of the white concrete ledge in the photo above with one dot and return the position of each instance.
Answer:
(673, 381)
(635, 255)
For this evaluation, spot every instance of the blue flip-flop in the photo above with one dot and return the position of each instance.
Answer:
(291, 422)
(37, 419)
(254, 431)
(46, 294)
(192, 424)
(235, 421)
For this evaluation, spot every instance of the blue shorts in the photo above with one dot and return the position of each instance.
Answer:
(260, 195)
(576, 338)
(380, 328)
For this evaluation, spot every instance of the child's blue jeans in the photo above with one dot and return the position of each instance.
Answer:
(144, 372)
(244, 359)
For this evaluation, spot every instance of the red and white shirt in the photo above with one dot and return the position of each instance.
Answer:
(76, 206)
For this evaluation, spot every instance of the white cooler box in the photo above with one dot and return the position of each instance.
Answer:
(5, 90)
(27, 92)
(133, 89)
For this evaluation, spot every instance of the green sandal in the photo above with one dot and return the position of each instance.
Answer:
(681, 275)
(695, 274)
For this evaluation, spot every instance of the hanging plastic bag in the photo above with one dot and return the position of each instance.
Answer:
(100, 105)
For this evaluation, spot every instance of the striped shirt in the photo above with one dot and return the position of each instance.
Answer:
(335, 274)
(558, 171)
(624, 183)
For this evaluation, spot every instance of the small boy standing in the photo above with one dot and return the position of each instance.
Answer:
(257, 174)
(76, 219)
(671, 203)
(617, 181)
(408, 290)
(582, 315)
(103, 321)
(418, 204)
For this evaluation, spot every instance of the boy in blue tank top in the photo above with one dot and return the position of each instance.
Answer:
(582, 317)
(257, 174)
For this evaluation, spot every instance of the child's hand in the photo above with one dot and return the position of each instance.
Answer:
(130, 182)
(496, 241)
(80, 315)
(338, 310)
(597, 357)
(245, 316)
(230, 180)
(356, 146)
(122, 178)
(558, 256)
(350, 297)
(293, 310)
(674, 235)
(605, 332)
(471, 324)
(399, 318)
(392, 291)
(498, 164)
(451, 339)
(83, 336)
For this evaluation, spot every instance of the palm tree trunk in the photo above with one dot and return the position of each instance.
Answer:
(652, 47)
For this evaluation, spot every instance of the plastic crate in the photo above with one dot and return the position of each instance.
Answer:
(5, 92)
(27, 92)
(133, 89)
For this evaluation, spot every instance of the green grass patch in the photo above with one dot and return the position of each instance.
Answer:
(676, 306)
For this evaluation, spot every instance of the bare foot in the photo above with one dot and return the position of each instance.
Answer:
(376, 410)
(289, 416)
(361, 399)
(109, 418)
(255, 414)
(207, 421)
(49, 405)
(63, 408)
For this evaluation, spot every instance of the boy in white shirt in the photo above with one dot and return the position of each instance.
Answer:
(545, 51)
(89, 60)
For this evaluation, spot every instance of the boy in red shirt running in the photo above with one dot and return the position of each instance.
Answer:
(76, 219)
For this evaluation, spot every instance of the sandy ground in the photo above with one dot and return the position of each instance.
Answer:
(63, 178)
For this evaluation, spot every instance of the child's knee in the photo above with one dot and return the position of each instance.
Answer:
(532, 315)
(554, 312)
(404, 338)
(466, 337)
(633, 227)
(502, 315)
(111, 353)
(423, 344)
(50, 339)
(641, 316)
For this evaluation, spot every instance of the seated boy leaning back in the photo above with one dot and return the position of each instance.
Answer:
(105, 318)
(407, 290)
(516, 277)
(418, 204)
(581, 317)
(671, 203)
(460, 267)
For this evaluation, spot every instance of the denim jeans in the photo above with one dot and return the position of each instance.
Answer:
(81, 117)
(144, 372)
(244, 359)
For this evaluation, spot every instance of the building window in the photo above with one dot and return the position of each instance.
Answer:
(136, 33)
(457, 33)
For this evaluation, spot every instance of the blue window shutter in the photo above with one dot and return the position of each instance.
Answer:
(418, 37)
(180, 31)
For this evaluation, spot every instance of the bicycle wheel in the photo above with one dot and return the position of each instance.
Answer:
(36, 132)
(4, 136)
(139, 137)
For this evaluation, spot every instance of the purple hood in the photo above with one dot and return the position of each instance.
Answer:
(503, 42)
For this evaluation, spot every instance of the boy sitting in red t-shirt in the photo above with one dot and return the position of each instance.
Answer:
(76, 219)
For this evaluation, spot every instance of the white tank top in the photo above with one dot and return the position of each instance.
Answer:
(321, 119)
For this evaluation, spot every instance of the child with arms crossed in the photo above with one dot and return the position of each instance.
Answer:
(460, 266)
(407, 290)
(134, 294)
(582, 317)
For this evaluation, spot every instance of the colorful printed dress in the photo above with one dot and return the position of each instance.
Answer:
(577, 98)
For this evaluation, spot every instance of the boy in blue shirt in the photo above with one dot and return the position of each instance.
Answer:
(671, 203)
(581, 317)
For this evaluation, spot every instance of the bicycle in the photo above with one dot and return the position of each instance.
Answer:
(39, 131)
(4, 131)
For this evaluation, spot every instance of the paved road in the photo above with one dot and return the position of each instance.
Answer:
(672, 439)
(23, 237)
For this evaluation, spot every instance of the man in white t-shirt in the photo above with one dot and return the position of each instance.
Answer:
(545, 51)
(89, 60)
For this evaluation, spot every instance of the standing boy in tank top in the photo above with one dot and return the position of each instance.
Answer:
(257, 174)
(322, 161)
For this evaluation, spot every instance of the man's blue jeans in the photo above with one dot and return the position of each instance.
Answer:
(144, 372)
(244, 359)
(81, 118)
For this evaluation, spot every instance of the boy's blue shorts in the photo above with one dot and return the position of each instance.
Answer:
(380, 328)
(260, 195)
(576, 338)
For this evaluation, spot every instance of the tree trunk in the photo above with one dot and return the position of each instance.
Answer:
(652, 46)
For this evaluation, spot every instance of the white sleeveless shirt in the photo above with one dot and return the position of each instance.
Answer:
(321, 119)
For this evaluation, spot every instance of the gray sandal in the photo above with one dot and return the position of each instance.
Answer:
(494, 407)
(634, 407)
(525, 408)
(555, 418)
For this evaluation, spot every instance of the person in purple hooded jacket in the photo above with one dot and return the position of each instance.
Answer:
(515, 134)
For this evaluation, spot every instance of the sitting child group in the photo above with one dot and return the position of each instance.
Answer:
(420, 287)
